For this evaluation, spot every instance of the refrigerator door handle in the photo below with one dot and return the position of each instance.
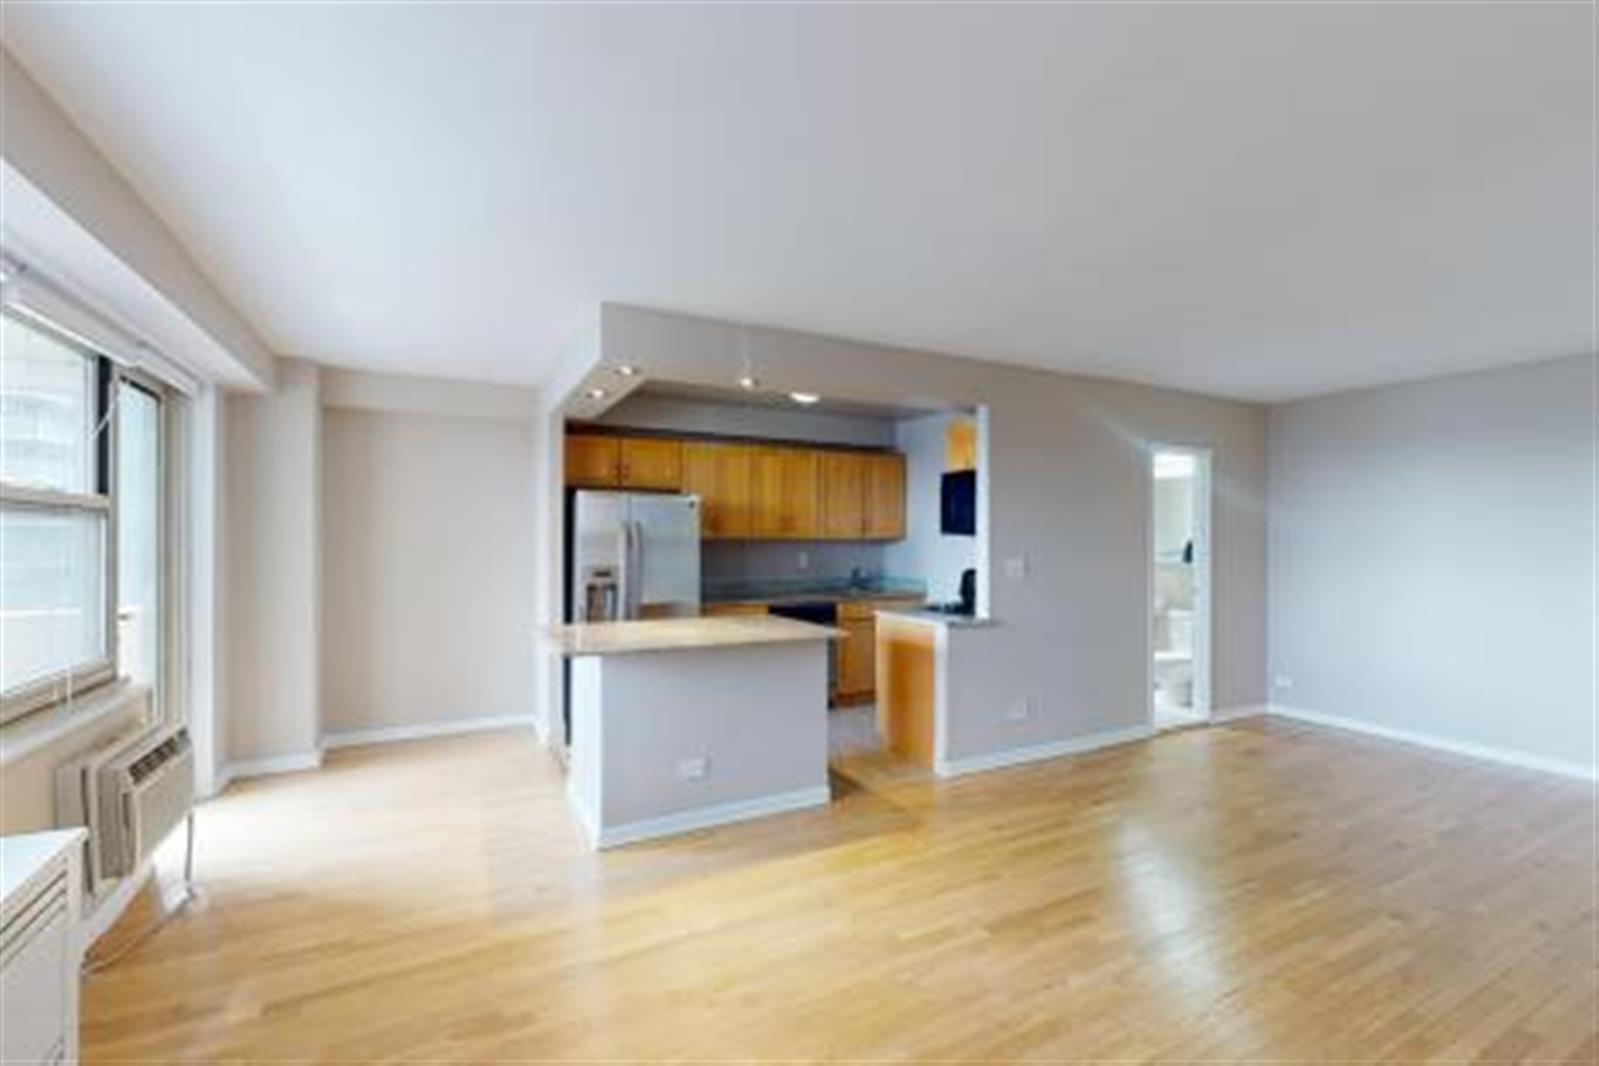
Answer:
(632, 569)
(624, 576)
(638, 569)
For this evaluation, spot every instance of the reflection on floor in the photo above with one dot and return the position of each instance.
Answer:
(852, 729)
(1170, 715)
(1255, 891)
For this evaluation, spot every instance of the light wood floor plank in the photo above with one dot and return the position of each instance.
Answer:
(1264, 890)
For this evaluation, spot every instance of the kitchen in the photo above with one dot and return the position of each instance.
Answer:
(719, 525)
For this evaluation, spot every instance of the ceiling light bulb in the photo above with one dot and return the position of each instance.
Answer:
(749, 383)
(806, 398)
(627, 370)
(596, 393)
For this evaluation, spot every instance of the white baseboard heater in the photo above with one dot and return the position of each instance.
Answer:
(130, 793)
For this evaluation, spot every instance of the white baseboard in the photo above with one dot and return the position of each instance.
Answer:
(278, 764)
(1234, 714)
(424, 730)
(1505, 756)
(107, 910)
(1053, 750)
(702, 817)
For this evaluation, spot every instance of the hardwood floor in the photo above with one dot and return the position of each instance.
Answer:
(1263, 890)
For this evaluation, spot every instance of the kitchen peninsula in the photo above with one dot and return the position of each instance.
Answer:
(684, 723)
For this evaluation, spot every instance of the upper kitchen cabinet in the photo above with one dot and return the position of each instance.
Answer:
(960, 445)
(652, 463)
(754, 491)
(885, 497)
(593, 462)
(599, 462)
(720, 475)
(785, 486)
(843, 495)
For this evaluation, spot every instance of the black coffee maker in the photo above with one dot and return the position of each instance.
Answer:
(968, 593)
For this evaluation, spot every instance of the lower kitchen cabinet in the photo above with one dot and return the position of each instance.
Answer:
(855, 655)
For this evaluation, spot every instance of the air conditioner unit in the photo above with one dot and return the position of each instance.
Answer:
(130, 793)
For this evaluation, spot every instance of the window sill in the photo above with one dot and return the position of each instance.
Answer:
(28, 736)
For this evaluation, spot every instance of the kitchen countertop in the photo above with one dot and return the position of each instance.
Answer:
(939, 618)
(682, 634)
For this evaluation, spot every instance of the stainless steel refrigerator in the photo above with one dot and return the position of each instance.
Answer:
(634, 555)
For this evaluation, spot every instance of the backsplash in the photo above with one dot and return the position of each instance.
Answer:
(733, 565)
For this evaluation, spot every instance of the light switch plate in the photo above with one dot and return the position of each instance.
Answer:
(693, 769)
(803, 561)
(1019, 711)
(1016, 567)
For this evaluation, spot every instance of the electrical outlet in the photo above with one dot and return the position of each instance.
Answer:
(1016, 567)
(1019, 711)
(803, 560)
(1284, 682)
(694, 769)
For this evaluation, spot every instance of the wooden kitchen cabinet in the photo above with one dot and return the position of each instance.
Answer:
(652, 463)
(753, 491)
(785, 484)
(593, 462)
(734, 610)
(856, 674)
(960, 445)
(884, 497)
(719, 474)
(843, 495)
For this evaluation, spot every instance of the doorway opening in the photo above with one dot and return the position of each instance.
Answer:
(1179, 586)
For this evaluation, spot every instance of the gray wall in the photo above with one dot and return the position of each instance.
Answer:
(272, 569)
(1068, 495)
(427, 596)
(926, 553)
(1432, 554)
(724, 562)
(649, 411)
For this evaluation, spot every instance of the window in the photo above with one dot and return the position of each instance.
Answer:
(81, 516)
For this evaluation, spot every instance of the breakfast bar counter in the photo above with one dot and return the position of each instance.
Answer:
(680, 724)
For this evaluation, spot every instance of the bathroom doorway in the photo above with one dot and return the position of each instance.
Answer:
(1179, 586)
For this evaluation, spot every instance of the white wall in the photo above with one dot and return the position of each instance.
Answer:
(272, 569)
(41, 144)
(926, 553)
(1068, 497)
(1432, 558)
(428, 562)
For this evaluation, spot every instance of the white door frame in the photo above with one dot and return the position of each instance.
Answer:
(1204, 458)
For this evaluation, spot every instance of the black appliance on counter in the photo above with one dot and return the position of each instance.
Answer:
(957, 503)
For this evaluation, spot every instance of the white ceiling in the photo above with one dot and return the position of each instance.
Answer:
(1252, 200)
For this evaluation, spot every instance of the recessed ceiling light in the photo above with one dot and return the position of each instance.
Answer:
(806, 398)
(597, 393)
(749, 383)
(627, 370)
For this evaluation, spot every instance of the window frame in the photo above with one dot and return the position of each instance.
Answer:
(109, 375)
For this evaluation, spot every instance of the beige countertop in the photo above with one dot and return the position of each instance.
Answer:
(682, 634)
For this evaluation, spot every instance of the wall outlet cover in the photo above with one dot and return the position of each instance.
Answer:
(1019, 711)
(693, 769)
(1016, 567)
(803, 561)
(1283, 681)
